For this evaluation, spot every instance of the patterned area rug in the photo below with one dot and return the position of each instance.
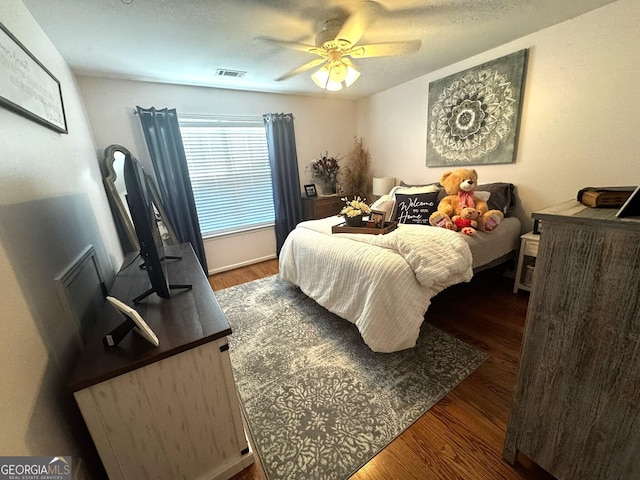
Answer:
(319, 402)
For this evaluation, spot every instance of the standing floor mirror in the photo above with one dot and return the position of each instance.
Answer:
(113, 168)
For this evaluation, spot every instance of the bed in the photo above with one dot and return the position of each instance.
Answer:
(384, 283)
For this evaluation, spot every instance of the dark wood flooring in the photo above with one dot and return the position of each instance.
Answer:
(461, 437)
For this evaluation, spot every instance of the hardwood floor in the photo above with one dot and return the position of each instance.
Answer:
(461, 437)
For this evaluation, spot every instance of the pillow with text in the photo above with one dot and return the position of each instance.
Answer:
(415, 208)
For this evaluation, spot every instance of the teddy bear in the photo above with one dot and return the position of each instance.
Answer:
(466, 221)
(460, 186)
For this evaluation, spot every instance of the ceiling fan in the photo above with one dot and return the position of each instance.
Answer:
(335, 43)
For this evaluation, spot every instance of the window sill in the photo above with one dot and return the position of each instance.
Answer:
(234, 233)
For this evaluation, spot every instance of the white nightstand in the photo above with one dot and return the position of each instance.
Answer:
(526, 261)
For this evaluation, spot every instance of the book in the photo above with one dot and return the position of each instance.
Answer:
(604, 197)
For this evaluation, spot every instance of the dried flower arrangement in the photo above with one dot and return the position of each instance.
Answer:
(326, 168)
(355, 208)
(356, 177)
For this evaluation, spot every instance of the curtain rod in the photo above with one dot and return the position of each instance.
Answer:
(219, 117)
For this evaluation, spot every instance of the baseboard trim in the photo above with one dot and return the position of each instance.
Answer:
(226, 268)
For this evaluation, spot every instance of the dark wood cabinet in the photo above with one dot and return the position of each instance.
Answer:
(576, 409)
(321, 207)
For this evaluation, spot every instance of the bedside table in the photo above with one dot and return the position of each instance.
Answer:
(321, 207)
(526, 261)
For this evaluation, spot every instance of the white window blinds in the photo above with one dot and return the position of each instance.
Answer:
(229, 168)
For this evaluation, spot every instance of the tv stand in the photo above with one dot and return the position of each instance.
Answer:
(170, 411)
(145, 294)
(148, 292)
(143, 265)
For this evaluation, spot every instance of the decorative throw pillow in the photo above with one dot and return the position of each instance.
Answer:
(415, 189)
(432, 184)
(384, 204)
(415, 208)
(503, 196)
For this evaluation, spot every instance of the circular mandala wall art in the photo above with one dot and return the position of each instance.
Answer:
(473, 115)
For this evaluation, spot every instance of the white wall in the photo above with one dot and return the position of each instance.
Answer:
(320, 124)
(578, 128)
(578, 122)
(52, 205)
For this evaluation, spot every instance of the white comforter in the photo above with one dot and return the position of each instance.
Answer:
(381, 283)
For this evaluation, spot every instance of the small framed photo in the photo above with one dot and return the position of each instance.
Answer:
(537, 227)
(377, 217)
(310, 190)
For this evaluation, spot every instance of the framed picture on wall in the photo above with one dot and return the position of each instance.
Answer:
(310, 190)
(474, 115)
(27, 87)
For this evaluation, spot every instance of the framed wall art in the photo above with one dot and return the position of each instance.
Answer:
(474, 115)
(27, 87)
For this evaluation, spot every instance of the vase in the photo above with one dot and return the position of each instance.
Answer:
(329, 187)
(353, 221)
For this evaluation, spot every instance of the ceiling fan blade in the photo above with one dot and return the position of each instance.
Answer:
(385, 49)
(356, 23)
(286, 44)
(303, 68)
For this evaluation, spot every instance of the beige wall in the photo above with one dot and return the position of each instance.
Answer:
(320, 124)
(52, 205)
(578, 121)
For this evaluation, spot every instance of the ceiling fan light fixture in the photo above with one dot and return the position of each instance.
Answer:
(337, 41)
(321, 76)
(333, 86)
(335, 76)
(323, 79)
(352, 74)
(338, 72)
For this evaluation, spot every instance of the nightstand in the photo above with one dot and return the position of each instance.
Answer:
(526, 261)
(322, 206)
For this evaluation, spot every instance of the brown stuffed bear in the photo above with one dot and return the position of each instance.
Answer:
(466, 221)
(460, 186)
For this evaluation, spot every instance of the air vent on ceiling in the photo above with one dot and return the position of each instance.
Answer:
(223, 72)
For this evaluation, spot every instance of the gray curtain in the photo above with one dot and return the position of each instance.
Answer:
(281, 141)
(162, 134)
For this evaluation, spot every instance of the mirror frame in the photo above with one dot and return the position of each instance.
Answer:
(130, 242)
(125, 226)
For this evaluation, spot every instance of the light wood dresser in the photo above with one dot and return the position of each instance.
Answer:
(576, 409)
(167, 412)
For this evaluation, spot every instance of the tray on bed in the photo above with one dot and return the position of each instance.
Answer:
(342, 228)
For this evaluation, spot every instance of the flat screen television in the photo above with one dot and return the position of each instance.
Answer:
(143, 215)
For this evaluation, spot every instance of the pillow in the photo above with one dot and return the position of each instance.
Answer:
(436, 184)
(503, 196)
(415, 208)
(415, 189)
(385, 204)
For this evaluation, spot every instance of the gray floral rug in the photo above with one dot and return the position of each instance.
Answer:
(318, 401)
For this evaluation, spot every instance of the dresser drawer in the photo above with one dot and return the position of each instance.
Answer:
(531, 249)
(321, 207)
(328, 206)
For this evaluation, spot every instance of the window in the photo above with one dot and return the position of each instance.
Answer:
(229, 168)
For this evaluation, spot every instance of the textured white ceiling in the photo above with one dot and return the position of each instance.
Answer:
(185, 41)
